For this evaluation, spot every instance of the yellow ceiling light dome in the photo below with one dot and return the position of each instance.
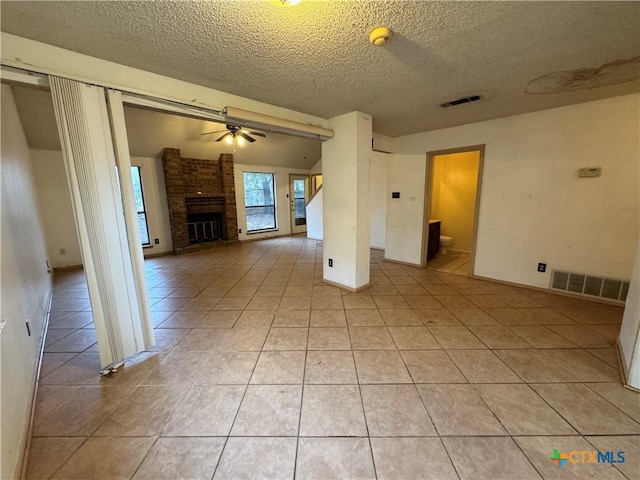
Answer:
(285, 3)
(380, 36)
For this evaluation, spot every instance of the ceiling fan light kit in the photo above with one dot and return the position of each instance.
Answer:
(237, 119)
(380, 36)
(235, 135)
(268, 123)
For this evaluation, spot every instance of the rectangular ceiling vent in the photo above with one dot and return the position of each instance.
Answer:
(460, 101)
(609, 288)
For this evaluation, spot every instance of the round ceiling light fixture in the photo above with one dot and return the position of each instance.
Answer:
(285, 3)
(380, 36)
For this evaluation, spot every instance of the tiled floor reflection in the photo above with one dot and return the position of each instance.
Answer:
(262, 371)
(451, 262)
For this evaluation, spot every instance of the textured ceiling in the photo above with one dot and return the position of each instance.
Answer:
(315, 57)
(149, 132)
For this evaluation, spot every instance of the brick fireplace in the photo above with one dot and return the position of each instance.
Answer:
(202, 201)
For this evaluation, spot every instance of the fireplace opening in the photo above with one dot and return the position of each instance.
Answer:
(204, 227)
(205, 217)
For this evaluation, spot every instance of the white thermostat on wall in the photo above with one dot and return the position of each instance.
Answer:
(590, 172)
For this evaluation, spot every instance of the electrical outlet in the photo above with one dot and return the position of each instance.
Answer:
(239, 230)
(28, 328)
(156, 241)
(331, 262)
(63, 251)
(542, 267)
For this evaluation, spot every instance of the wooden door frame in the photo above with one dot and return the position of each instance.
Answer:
(429, 190)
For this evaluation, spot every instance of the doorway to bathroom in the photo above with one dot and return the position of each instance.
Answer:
(451, 209)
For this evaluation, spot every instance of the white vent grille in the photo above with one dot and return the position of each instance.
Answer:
(609, 288)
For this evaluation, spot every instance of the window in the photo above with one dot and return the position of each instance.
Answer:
(142, 214)
(259, 201)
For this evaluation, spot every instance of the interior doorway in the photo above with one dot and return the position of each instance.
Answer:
(451, 209)
(298, 196)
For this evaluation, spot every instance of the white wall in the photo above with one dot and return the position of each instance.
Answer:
(406, 175)
(534, 208)
(55, 204)
(453, 196)
(57, 213)
(25, 288)
(317, 168)
(377, 201)
(314, 215)
(283, 206)
(382, 143)
(378, 198)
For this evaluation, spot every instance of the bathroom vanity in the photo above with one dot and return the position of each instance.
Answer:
(434, 239)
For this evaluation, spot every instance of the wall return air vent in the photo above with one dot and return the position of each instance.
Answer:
(609, 288)
(460, 101)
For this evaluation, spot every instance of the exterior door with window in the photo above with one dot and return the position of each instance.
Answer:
(298, 196)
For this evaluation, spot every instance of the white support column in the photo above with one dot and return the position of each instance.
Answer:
(629, 339)
(346, 217)
(87, 147)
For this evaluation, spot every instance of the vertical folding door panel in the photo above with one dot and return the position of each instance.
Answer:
(87, 147)
(629, 338)
(123, 160)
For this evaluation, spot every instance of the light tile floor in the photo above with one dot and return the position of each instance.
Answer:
(451, 262)
(262, 371)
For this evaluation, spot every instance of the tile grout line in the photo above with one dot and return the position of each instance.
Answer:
(315, 281)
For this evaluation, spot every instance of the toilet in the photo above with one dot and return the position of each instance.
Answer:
(445, 242)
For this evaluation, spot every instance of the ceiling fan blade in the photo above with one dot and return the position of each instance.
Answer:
(209, 133)
(251, 132)
(247, 137)
(223, 136)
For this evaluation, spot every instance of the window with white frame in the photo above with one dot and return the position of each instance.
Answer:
(143, 226)
(259, 201)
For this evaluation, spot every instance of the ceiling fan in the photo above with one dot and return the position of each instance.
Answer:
(234, 132)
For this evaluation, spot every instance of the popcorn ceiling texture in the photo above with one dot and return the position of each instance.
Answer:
(149, 132)
(316, 58)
